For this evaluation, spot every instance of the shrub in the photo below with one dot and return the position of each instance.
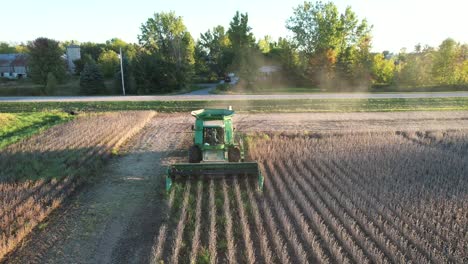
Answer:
(91, 79)
(51, 84)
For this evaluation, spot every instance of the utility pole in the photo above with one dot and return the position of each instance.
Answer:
(121, 71)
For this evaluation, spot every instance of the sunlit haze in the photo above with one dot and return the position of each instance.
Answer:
(396, 24)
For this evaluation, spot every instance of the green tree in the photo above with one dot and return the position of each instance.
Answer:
(80, 63)
(21, 48)
(115, 44)
(383, 69)
(265, 44)
(285, 53)
(214, 51)
(332, 44)
(415, 69)
(461, 69)
(244, 49)
(91, 80)
(202, 62)
(92, 49)
(45, 56)
(6, 48)
(445, 62)
(109, 62)
(239, 32)
(51, 84)
(165, 38)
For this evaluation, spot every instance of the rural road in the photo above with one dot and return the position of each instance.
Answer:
(205, 91)
(201, 96)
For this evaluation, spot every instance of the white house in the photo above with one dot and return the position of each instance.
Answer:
(13, 66)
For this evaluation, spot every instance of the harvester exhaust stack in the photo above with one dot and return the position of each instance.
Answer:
(216, 151)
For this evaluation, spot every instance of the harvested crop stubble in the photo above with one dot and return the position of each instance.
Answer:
(37, 174)
(368, 197)
(399, 199)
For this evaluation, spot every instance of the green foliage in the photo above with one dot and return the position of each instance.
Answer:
(6, 48)
(92, 49)
(382, 69)
(115, 44)
(213, 52)
(450, 63)
(91, 80)
(285, 53)
(335, 46)
(204, 256)
(51, 84)
(445, 66)
(246, 56)
(128, 79)
(168, 50)
(45, 56)
(415, 69)
(80, 63)
(265, 44)
(109, 63)
(14, 127)
(239, 32)
(292, 105)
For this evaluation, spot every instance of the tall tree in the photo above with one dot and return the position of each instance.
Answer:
(92, 49)
(246, 56)
(166, 38)
(333, 44)
(91, 79)
(109, 62)
(45, 56)
(285, 53)
(445, 60)
(6, 48)
(383, 69)
(265, 44)
(239, 32)
(115, 44)
(214, 48)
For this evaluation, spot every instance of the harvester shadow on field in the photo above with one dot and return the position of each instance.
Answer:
(33, 184)
(114, 219)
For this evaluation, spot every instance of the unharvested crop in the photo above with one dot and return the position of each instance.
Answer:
(368, 197)
(39, 173)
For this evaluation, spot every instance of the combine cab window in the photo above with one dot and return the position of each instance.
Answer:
(213, 136)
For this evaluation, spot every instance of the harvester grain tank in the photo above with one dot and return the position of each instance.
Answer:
(216, 151)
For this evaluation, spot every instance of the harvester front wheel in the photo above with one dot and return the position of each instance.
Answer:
(234, 154)
(195, 154)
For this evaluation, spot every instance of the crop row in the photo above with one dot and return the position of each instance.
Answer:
(38, 174)
(342, 198)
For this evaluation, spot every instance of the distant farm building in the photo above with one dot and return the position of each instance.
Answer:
(268, 70)
(13, 66)
(73, 53)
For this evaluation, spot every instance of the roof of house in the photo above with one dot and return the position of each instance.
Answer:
(13, 59)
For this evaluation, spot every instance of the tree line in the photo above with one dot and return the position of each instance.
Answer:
(328, 49)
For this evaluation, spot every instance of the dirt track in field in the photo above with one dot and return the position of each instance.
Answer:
(116, 219)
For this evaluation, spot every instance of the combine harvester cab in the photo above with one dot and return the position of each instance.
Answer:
(216, 151)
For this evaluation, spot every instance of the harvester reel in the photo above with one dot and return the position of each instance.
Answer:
(195, 154)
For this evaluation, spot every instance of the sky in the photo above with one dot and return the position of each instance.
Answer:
(396, 23)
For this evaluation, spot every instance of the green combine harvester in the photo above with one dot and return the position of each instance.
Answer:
(216, 151)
